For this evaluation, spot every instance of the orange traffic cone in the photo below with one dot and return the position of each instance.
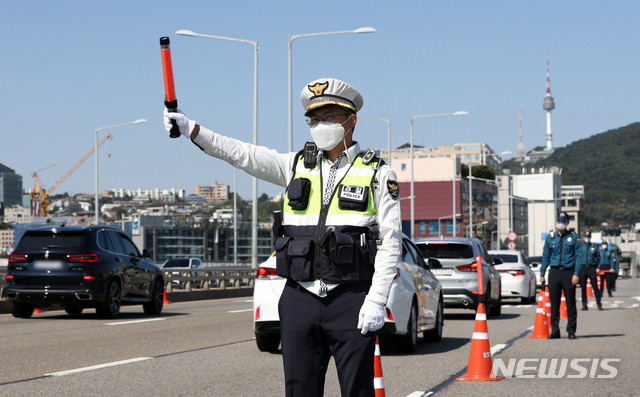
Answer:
(589, 289)
(378, 380)
(480, 363)
(599, 289)
(563, 307)
(547, 306)
(36, 310)
(165, 300)
(540, 328)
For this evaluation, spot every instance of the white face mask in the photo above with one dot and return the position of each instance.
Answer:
(328, 135)
(561, 226)
(587, 239)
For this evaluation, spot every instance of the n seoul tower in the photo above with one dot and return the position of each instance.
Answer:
(548, 105)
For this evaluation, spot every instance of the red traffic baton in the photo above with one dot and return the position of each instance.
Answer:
(170, 101)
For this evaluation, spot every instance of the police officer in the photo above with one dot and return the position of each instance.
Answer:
(559, 253)
(616, 267)
(588, 257)
(606, 264)
(339, 201)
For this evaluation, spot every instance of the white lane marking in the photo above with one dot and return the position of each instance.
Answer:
(244, 300)
(240, 311)
(497, 349)
(420, 394)
(635, 297)
(136, 321)
(632, 306)
(618, 301)
(614, 305)
(113, 364)
(531, 328)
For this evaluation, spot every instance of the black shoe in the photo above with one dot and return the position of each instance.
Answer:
(554, 335)
(600, 307)
(610, 296)
(572, 335)
(584, 308)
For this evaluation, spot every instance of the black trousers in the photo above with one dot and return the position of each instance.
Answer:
(589, 272)
(609, 277)
(313, 329)
(559, 281)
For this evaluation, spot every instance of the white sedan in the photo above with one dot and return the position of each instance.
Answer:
(518, 280)
(414, 305)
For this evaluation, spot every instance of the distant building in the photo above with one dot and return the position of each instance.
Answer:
(194, 199)
(10, 186)
(17, 214)
(166, 238)
(153, 194)
(215, 194)
(6, 240)
(573, 205)
(441, 195)
(476, 153)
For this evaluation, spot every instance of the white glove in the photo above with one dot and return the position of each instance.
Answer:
(371, 317)
(185, 125)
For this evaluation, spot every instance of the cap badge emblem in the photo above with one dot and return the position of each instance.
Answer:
(318, 89)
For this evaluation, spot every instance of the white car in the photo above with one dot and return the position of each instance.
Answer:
(518, 280)
(414, 305)
(535, 262)
(183, 263)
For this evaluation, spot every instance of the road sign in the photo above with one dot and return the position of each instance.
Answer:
(512, 236)
(511, 245)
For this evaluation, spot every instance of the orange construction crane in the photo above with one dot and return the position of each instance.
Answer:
(44, 195)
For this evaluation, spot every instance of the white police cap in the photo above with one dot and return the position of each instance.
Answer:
(323, 92)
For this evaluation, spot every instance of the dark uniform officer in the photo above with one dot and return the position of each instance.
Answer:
(616, 268)
(605, 264)
(559, 253)
(588, 258)
(339, 202)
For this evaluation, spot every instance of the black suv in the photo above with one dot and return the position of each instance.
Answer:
(80, 267)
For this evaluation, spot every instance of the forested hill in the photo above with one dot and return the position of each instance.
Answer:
(608, 165)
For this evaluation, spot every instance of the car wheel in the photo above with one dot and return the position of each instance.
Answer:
(435, 335)
(268, 342)
(154, 306)
(408, 342)
(22, 310)
(528, 299)
(110, 308)
(496, 310)
(73, 310)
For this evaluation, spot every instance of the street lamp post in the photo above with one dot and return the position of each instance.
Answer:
(445, 217)
(413, 217)
(388, 134)
(254, 212)
(97, 210)
(291, 39)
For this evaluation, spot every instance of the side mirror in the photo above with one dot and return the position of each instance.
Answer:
(497, 261)
(434, 264)
(146, 253)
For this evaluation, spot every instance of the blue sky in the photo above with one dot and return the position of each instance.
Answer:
(70, 67)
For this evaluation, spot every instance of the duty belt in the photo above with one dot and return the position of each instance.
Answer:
(564, 268)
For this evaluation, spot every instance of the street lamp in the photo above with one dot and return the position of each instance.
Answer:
(254, 212)
(388, 135)
(413, 218)
(291, 39)
(445, 217)
(139, 121)
(471, 178)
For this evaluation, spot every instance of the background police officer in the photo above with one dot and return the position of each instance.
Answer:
(606, 264)
(616, 267)
(338, 202)
(588, 257)
(559, 254)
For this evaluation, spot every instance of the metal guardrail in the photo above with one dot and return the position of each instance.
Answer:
(209, 278)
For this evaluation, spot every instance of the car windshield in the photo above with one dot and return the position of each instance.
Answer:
(36, 240)
(506, 258)
(177, 263)
(446, 250)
